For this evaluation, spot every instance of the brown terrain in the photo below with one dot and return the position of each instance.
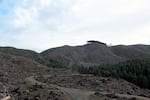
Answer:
(23, 77)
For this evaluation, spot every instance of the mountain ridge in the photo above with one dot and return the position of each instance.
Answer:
(92, 53)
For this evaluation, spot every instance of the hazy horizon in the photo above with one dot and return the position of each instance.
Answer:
(41, 24)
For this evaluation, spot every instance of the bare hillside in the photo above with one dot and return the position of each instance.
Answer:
(89, 54)
(95, 52)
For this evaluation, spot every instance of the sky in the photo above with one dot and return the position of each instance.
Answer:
(43, 24)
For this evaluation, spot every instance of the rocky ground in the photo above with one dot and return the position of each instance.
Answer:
(95, 83)
(51, 85)
(24, 79)
(75, 87)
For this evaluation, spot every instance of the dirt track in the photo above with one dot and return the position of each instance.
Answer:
(73, 94)
(78, 94)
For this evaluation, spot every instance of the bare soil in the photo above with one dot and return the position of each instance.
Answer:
(25, 79)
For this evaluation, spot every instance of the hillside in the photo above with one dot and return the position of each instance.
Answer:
(24, 77)
(23, 53)
(15, 68)
(132, 51)
(94, 53)
(89, 54)
(13, 73)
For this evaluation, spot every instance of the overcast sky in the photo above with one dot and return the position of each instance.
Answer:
(42, 24)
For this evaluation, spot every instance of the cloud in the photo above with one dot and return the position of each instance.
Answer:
(58, 22)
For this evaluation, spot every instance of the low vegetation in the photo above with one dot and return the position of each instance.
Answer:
(57, 64)
(135, 71)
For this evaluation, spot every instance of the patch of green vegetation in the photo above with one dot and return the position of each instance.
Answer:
(135, 71)
(57, 64)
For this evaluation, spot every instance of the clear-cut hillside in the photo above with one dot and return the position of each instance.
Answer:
(95, 52)
(132, 51)
(23, 53)
(24, 78)
(90, 54)
(15, 68)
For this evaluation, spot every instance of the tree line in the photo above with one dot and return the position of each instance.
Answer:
(135, 71)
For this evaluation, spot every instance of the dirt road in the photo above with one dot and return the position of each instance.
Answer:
(78, 94)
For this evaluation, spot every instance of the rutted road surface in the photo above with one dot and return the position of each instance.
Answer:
(74, 94)
(77, 94)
